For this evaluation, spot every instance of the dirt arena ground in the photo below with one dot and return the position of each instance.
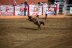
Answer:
(18, 32)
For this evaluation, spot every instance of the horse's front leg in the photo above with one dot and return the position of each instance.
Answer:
(39, 27)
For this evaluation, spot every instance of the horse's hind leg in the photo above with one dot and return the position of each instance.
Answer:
(43, 23)
(39, 27)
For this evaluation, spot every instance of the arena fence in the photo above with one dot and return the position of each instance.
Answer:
(6, 10)
(32, 9)
(67, 9)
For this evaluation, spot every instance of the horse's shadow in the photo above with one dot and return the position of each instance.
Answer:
(28, 28)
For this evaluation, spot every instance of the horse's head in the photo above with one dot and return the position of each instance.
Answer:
(29, 17)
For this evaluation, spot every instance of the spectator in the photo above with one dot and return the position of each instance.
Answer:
(25, 10)
(14, 3)
(46, 14)
(25, 3)
(21, 4)
(55, 9)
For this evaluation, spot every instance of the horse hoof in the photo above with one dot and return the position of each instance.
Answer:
(40, 29)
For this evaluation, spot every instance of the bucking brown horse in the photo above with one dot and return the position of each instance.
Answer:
(30, 18)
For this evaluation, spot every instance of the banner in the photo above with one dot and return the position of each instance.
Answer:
(7, 10)
(50, 10)
(32, 9)
(19, 10)
(35, 10)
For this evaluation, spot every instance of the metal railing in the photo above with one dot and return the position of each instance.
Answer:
(66, 9)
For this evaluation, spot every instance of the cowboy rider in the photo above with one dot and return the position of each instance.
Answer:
(37, 19)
